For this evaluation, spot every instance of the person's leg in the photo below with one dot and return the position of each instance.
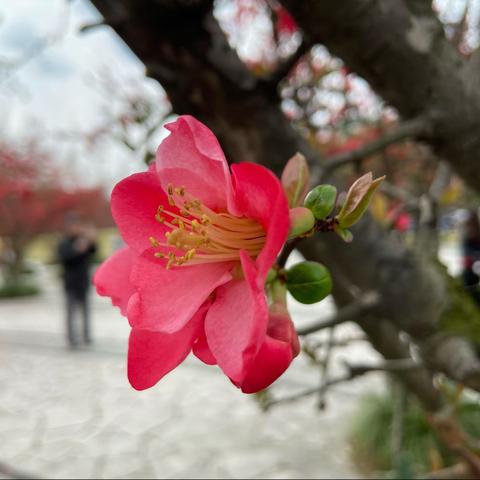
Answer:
(87, 333)
(71, 302)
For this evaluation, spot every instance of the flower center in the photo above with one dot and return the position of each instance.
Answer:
(199, 235)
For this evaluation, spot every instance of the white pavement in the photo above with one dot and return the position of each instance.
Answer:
(67, 414)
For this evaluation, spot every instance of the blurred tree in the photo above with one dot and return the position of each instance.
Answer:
(33, 201)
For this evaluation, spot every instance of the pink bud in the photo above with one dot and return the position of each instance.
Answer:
(301, 221)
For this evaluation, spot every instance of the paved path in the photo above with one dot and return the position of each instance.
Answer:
(70, 414)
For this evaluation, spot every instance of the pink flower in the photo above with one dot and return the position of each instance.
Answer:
(200, 241)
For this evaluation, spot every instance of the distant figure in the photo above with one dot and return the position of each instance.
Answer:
(471, 255)
(75, 252)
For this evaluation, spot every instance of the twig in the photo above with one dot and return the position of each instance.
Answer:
(346, 314)
(339, 342)
(288, 248)
(409, 129)
(324, 369)
(353, 372)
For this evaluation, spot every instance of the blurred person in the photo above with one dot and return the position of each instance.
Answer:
(471, 255)
(75, 252)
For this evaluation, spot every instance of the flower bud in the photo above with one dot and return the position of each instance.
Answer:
(295, 180)
(301, 221)
(309, 282)
(321, 200)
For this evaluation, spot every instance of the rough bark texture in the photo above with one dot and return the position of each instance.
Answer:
(400, 48)
(185, 50)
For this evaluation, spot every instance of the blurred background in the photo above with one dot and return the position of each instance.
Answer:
(387, 383)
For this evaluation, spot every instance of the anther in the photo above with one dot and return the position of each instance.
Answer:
(154, 242)
(170, 189)
(195, 225)
(159, 255)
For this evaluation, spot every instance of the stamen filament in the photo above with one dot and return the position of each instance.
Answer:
(200, 235)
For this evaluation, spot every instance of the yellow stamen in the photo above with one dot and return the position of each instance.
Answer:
(207, 237)
(154, 242)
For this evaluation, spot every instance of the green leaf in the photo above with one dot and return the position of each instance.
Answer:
(295, 179)
(309, 282)
(321, 200)
(358, 199)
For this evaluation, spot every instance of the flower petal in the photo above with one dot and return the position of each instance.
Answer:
(202, 351)
(258, 194)
(236, 323)
(151, 354)
(273, 358)
(134, 204)
(167, 299)
(192, 157)
(112, 278)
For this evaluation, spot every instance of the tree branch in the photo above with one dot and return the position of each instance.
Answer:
(405, 130)
(350, 313)
(409, 62)
(353, 371)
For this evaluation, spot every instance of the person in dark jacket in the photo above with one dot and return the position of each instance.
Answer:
(75, 252)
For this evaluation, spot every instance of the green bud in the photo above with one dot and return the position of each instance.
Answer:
(301, 221)
(358, 199)
(321, 200)
(295, 180)
(344, 234)
(309, 282)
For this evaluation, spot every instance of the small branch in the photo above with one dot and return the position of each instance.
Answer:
(324, 368)
(346, 314)
(409, 129)
(288, 248)
(353, 372)
(342, 342)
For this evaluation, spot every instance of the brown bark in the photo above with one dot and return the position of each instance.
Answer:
(400, 48)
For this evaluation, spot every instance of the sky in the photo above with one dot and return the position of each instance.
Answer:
(55, 92)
